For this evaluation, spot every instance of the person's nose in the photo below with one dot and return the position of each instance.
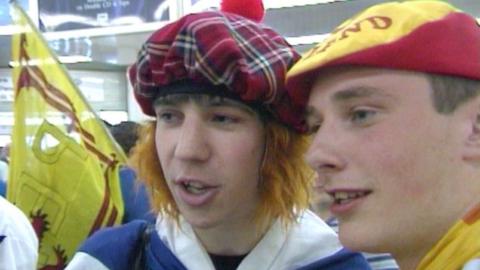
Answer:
(324, 154)
(192, 142)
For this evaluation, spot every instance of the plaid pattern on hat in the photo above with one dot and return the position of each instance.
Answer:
(425, 35)
(218, 49)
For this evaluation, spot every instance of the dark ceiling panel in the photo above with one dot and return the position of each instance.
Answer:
(314, 19)
(322, 18)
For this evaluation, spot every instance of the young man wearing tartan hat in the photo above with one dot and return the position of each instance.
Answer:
(223, 160)
(392, 102)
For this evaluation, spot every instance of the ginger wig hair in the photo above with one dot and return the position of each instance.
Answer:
(285, 181)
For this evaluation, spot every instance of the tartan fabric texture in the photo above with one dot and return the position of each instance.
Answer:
(220, 49)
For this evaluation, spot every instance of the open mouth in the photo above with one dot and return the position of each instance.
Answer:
(344, 197)
(195, 187)
(196, 193)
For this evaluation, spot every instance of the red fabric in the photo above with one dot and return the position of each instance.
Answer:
(251, 9)
(449, 46)
(221, 49)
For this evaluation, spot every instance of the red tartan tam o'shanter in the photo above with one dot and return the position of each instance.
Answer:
(424, 35)
(219, 49)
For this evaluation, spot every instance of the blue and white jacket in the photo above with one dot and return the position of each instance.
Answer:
(307, 244)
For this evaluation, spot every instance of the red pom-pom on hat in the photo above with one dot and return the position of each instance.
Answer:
(251, 9)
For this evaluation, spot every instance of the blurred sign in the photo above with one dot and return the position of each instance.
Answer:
(61, 15)
(76, 46)
(6, 89)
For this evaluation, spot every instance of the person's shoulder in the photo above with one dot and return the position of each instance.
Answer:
(312, 225)
(18, 241)
(313, 234)
(111, 248)
(105, 239)
(343, 259)
(14, 222)
(324, 248)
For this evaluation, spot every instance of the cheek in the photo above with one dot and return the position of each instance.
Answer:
(248, 147)
(399, 165)
(161, 144)
(407, 175)
(247, 155)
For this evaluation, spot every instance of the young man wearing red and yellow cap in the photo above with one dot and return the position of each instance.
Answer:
(223, 160)
(392, 100)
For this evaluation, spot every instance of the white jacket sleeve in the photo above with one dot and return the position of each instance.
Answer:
(18, 242)
(83, 261)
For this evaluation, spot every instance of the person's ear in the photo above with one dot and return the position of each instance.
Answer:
(472, 145)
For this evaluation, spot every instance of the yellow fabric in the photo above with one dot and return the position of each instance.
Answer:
(64, 162)
(460, 245)
(372, 27)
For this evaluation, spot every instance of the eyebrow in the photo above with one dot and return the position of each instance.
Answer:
(220, 101)
(202, 100)
(352, 93)
(359, 92)
(171, 100)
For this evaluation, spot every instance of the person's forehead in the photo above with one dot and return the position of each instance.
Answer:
(349, 82)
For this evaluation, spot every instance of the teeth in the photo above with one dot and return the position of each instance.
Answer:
(195, 185)
(195, 188)
(344, 197)
(341, 195)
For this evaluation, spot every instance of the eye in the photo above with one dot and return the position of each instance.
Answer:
(313, 123)
(168, 117)
(223, 119)
(361, 116)
(165, 116)
(313, 128)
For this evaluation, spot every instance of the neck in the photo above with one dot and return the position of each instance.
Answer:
(231, 239)
(417, 243)
(408, 262)
(410, 258)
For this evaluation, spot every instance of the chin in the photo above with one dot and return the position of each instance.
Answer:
(360, 240)
(364, 242)
(201, 225)
(352, 243)
(199, 222)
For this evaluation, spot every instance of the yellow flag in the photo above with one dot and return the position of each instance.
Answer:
(64, 163)
(459, 246)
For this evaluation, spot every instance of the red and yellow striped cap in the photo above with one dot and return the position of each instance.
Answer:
(423, 35)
